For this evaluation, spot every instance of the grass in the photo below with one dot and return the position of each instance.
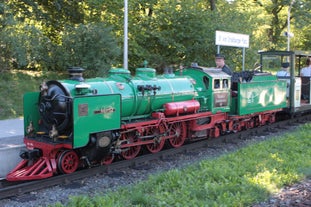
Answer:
(13, 84)
(241, 178)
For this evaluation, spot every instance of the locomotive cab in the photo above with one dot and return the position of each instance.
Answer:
(212, 86)
(220, 89)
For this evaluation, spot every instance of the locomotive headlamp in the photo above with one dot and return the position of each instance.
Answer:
(103, 141)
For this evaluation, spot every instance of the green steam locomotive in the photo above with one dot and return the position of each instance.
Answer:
(77, 122)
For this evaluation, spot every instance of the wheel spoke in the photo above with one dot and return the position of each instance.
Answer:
(130, 152)
(179, 131)
(158, 143)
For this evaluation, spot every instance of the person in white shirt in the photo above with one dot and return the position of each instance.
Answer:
(306, 71)
(284, 70)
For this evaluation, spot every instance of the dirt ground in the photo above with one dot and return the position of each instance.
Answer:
(297, 195)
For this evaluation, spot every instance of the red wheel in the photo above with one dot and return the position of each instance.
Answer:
(131, 152)
(108, 159)
(158, 143)
(179, 131)
(68, 162)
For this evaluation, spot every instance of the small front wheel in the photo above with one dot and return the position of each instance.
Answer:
(68, 162)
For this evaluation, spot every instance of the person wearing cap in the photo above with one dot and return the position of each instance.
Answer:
(306, 71)
(284, 70)
(220, 63)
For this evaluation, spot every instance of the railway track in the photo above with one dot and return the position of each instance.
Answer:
(9, 189)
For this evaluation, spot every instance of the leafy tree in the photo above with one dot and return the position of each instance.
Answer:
(30, 45)
(6, 20)
(90, 46)
(50, 15)
(173, 33)
(276, 14)
(27, 46)
(36, 34)
(183, 32)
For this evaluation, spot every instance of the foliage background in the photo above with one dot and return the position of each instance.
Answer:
(50, 35)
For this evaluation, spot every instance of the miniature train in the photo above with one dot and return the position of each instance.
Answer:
(76, 123)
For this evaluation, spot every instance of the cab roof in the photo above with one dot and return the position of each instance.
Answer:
(216, 73)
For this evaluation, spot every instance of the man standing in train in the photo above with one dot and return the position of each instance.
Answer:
(220, 63)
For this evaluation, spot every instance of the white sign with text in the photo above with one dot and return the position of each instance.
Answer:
(232, 39)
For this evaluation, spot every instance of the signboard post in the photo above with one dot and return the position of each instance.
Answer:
(232, 39)
(125, 52)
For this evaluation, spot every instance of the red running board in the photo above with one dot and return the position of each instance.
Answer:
(42, 168)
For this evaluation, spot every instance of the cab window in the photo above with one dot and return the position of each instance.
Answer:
(225, 83)
(216, 83)
(206, 82)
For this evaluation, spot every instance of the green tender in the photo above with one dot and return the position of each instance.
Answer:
(262, 93)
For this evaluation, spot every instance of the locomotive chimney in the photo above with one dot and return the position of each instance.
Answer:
(76, 73)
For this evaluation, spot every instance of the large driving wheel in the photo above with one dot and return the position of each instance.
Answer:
(68, 162)
(158, 142)
(131, 152)
(179, 131)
